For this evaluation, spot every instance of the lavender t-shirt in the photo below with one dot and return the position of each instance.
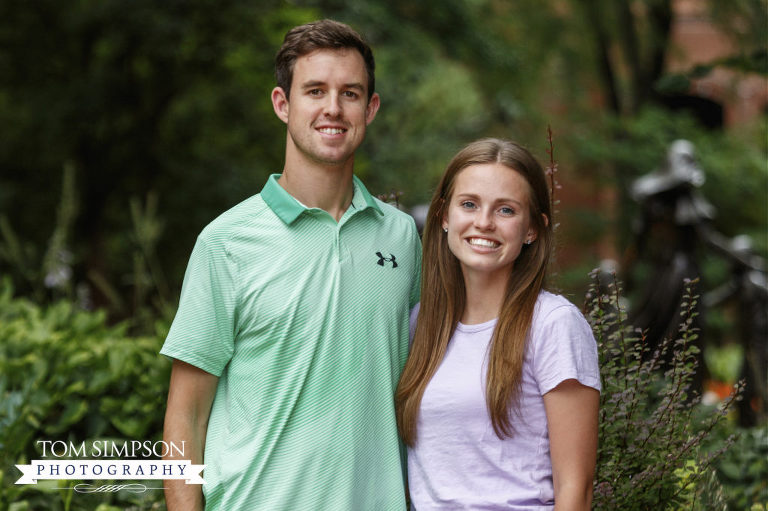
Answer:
(458, 462)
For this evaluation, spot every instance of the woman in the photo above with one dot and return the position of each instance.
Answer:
(498, 400)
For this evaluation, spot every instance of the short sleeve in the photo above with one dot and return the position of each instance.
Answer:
(564, 348)
(202, 333)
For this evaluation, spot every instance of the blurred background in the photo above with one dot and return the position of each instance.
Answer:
(128, 125)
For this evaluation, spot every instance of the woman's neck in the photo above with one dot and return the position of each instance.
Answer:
(484, 297)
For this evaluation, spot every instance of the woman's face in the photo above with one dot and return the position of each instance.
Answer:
(488, 219)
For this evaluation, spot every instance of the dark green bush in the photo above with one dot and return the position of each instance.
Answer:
(743, 470)
(66, 375)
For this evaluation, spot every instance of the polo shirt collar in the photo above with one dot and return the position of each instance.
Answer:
(288, 208)
(361, 196)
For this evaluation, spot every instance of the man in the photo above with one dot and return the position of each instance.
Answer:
(292, 327)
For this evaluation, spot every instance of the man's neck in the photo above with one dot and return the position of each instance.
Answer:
(329, 188)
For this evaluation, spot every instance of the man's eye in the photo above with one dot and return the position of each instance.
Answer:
(314, 92)
(350, 94)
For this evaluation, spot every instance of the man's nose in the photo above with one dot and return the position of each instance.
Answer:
(333, 106)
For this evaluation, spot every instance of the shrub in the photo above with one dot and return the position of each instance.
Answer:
(743, 470)
(66, 375)
(650, 454)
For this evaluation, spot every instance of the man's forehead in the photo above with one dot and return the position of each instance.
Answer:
(331, 59)
(330, 52)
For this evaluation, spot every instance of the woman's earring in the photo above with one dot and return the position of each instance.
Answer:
(527, 242)
(445, 229)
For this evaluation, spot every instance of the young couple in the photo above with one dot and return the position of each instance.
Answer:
(293, 327)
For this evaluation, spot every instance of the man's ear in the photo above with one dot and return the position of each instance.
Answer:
(373, 106)
(280, 103)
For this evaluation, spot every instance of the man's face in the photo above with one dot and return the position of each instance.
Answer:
(328, 109)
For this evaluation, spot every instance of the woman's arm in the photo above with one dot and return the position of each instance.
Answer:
(572, 410)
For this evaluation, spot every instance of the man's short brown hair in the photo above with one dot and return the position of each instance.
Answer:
(319, 35)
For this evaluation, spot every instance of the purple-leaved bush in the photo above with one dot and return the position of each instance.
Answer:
(651, 425)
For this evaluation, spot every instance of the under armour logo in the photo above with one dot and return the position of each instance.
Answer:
(382, 259)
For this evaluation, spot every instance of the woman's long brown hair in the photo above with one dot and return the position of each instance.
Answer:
(443, 294)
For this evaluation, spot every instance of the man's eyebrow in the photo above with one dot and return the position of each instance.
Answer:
(311, 84)
(318, 83)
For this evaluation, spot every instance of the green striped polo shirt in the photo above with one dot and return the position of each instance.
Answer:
(305, 322)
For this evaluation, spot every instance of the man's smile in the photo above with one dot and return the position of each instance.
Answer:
(332, 131)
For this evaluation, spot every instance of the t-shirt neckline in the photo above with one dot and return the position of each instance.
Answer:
(478, 327)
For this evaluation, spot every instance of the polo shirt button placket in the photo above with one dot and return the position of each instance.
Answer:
(337, 243)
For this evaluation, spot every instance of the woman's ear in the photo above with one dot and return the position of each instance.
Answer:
(533, 234)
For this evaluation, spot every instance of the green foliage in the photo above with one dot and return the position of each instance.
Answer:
(20, 255)
(171, 99)
(746, 22)
(58, 259)
(140, 96)
(743, 469)
(66, 375)
(724, 362)
(433, 101)
(733, 163)
(650, 454)
(52, 276)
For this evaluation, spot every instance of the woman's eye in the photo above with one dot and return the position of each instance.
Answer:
(507, 211)
(467, 204)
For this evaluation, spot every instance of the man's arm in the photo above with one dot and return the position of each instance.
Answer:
(572, 417)
(186, 419)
